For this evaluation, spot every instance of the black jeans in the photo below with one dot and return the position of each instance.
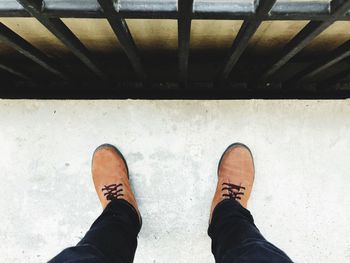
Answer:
(235, 238)
(113, 237)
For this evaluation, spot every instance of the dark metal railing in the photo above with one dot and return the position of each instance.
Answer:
(321, 14)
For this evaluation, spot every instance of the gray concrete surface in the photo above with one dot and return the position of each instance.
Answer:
(300, 199)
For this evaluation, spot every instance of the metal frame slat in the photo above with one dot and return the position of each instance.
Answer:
(294, 46)
(340, 53)
(327, 85)
(184, 33)
(64, 34)
(15, 72)
(15, 41)
(304, 37)
(245, 33)
(124, 36)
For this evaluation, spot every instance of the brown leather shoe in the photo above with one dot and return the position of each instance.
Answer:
(111, 176)
(235, 175)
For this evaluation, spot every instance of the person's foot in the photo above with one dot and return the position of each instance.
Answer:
(111, 176)
(235, 176)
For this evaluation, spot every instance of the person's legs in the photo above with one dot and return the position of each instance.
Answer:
(113, 236)
(234, 236)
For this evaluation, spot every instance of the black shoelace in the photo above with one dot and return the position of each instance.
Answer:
(112, 191)
(233, 191)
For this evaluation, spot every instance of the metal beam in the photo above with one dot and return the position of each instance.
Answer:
(328, 84)
(304, 37)
(122, 33)
(10, 38)
(337, 55)
(63, 33)
(184, 32)
(15, 72)
(126, 91)
(203, 9)
(245, 33)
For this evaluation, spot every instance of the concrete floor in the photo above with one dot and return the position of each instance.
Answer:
(300, 199)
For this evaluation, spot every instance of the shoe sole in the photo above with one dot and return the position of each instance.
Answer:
(107, 145)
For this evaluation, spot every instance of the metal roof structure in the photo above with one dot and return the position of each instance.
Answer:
(175, 49)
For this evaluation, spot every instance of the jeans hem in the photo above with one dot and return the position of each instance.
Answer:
(221, 205)
(116, 203)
